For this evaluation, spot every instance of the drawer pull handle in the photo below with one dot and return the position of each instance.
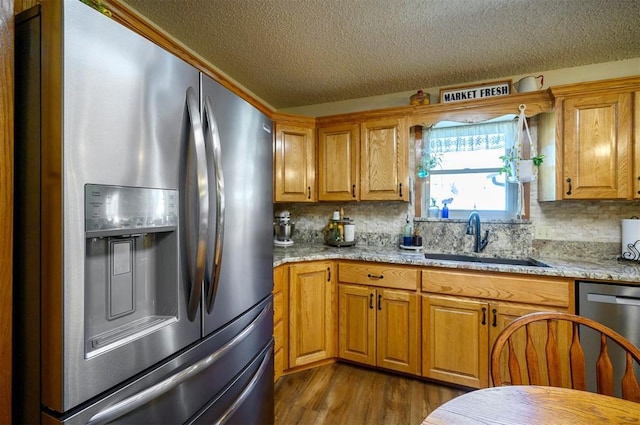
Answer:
(353, 191)
(375, 277)
(379, 302)
(328, 274)
(569, 181)
(484, 316)
(309, 192)
(401, 190)
(495, 318)
(371, 301)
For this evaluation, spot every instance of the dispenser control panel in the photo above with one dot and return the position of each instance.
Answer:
(111, 210)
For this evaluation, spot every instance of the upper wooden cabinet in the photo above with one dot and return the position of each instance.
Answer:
(384, 160)
(590, 155)
(596, 137)
(294, 163)
(339, 163)
(364, 161)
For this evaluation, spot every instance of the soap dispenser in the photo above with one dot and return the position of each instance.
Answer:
(407, 234)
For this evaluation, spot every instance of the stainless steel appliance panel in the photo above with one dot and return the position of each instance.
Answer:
(247, 253)
(248, 400)
(194, 380)
(617, 307)
(112, 112)
(125, 124)
(109, 114)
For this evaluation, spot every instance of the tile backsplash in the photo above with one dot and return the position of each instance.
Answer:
(567, 229)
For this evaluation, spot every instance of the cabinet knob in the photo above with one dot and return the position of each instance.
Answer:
(569, 181)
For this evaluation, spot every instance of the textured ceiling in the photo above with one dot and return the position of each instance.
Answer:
(305, 52)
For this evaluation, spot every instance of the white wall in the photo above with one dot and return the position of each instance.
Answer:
(601, 71)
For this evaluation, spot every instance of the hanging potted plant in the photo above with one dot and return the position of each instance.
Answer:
(428, 162)
(519, 170)
(516, 168)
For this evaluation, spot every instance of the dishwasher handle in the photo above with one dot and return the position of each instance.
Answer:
(613, 299)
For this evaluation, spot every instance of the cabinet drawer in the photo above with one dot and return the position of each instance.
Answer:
(278, 306)
(542, 290)
(386, 276)
(278, 335)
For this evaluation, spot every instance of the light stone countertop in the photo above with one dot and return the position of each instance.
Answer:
(601, 270)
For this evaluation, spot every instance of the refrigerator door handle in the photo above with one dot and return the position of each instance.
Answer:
(247, 389)
(197, 210)
(131, 403)
(212, 138)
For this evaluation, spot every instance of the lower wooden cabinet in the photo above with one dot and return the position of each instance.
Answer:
(458, 332)
(280, 276)
(380, 327)
(312, 312)
(374, 314)
(455, 340)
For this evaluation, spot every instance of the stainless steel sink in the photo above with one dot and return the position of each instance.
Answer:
(485, 260)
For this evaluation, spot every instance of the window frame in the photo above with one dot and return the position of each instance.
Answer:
(512, 191)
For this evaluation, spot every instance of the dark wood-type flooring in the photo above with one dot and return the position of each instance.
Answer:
(344, 394)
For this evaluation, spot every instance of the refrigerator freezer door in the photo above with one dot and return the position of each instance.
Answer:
(246, 156)
(212, 378)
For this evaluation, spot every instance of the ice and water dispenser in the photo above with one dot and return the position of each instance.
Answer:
(131, 264)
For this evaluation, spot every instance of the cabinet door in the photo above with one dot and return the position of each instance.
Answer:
(384, 160)
(311, 313)
(294, 164)
(455, 340)
(280, 277)
(597, 146)
(338, 160)
(357, 321)
(502, 314)
(398, 331)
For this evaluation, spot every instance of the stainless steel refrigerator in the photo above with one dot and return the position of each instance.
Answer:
(143, 253)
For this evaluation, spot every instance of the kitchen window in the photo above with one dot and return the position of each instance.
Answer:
(460, 165)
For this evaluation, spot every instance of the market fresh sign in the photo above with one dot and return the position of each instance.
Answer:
(458, 94)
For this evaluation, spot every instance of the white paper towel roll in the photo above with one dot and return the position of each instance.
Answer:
(630, 235)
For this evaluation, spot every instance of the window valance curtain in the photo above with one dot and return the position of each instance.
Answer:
(470, 137)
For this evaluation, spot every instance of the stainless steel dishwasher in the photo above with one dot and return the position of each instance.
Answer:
(616, 306)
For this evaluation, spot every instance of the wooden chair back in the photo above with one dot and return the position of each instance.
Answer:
(552, 353)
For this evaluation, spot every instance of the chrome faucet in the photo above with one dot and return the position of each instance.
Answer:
(473, 228)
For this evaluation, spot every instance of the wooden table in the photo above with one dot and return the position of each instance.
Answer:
(534, 405)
